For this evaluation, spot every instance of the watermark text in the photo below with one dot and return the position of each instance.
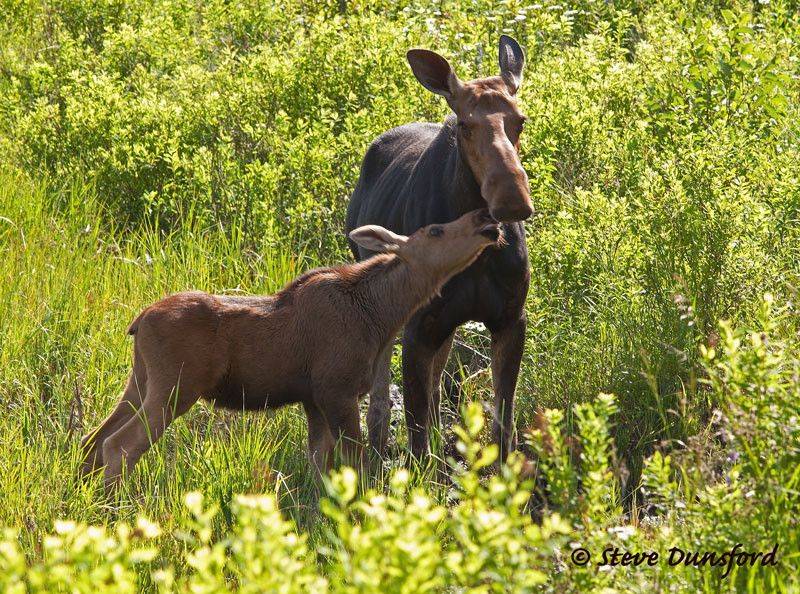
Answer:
(613, 556)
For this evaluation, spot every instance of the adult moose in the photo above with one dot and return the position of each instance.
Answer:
(424, 173)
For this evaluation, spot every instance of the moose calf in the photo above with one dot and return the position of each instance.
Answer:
(316, 342)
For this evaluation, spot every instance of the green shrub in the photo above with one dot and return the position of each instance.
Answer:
(734, 484)
(483, 540)
(164, 145)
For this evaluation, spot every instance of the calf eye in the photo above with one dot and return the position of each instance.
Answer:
(436, 232)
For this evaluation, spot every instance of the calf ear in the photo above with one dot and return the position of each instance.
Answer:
(377, 239)
(434, 73)
(512, 59)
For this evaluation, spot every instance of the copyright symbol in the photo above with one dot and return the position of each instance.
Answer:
(580, 556)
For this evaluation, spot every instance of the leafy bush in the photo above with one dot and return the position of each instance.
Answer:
(734, 484)
(162, 145)
(398, 541)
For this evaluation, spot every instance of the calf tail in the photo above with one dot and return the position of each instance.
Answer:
(135, 324)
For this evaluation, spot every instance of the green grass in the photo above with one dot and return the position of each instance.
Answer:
(165, 145)
(70, 290)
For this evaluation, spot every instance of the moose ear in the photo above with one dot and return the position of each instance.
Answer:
(377, 239)
(434, 73)
(512, 59)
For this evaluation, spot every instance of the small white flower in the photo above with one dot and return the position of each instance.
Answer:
(64, 526)
(194, 501)
(622, 532)
(147, 528)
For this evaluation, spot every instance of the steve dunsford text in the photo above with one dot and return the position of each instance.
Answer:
(613, 556)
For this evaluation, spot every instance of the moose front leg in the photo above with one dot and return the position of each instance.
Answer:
(417, 370)
(508, 343)
(437, 369)
(380, 405)
(425, 350)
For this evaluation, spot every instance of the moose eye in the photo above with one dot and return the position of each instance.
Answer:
(436, 232)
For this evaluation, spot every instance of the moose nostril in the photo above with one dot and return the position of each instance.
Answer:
(512, 215)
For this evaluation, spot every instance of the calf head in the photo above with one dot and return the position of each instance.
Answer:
(489, 125)
(438, 251)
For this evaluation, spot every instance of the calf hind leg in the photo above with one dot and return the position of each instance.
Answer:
(92, 442)
(163, 404)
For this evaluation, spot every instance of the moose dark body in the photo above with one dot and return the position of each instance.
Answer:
(423, 173)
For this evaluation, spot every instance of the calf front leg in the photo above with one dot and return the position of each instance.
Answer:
(508, 343)
(380, 405)
(340, 410)
(320, 440)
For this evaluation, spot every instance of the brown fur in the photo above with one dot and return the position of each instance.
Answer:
(315, 342)
(489, 127)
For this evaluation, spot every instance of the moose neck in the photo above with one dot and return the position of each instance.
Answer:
(392, 291)
(462, 191)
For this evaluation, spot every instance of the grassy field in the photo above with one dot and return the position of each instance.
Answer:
(163, 145)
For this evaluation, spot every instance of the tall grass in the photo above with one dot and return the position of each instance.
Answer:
(163, 145)
(69, 290)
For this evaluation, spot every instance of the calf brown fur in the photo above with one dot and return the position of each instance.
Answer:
(316, 342)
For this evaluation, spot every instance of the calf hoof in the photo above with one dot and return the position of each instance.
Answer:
(111, 481)
(92, 457)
